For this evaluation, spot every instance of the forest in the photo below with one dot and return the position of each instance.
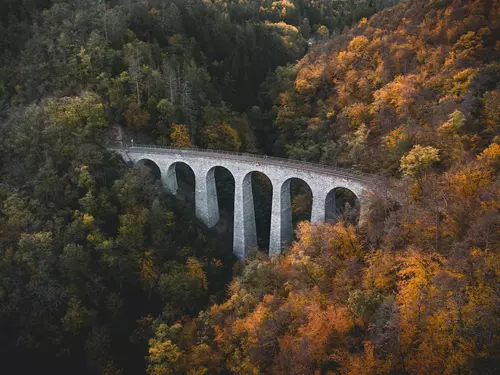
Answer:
(103, 272)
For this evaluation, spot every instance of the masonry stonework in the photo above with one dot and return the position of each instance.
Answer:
(321, 180)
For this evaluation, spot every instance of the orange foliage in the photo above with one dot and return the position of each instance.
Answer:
(308, 79)
(421, 295)
(180, 136)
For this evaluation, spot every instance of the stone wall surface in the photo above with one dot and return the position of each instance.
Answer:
(321, 180)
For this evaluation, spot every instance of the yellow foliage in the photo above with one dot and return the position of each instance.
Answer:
(400, 93)
(147, 272)
(308, 79)
(419, 160)
(249, 325)
(462, 80)
(358, 45)
(381, 272)
(366, 363)
(415, 290)
(491, 156)
(195, 269)
(395, 137)
(358, 114)
(88, 220)
(301, 203)
(79, 114)
(453, 126)
(180, 136)
(468, 182)
(164, 357)
(221, 137)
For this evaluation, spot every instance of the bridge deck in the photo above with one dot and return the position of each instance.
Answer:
(255, 158)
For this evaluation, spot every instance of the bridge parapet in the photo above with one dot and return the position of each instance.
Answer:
(291, 163)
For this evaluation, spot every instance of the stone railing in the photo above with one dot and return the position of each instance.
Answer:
(322, 168)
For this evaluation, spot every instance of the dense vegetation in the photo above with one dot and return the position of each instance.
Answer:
(102, 272)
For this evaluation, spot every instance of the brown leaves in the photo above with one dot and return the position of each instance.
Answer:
(180, 136)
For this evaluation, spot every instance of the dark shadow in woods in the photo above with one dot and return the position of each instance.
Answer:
(262, 189)
(185, 185)
(224, 182)
(301, 198)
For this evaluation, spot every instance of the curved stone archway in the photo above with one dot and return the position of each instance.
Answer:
(154, 169)
(262, 192)
(208, 194)
(245, 231)
(282, 216)
(180, 181)
(324, 182)
(301, 196)
(342, 203)
(224, 184)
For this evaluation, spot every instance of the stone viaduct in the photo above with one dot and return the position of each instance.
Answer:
(322, 180)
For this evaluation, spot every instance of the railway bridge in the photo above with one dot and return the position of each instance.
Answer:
(322, 180)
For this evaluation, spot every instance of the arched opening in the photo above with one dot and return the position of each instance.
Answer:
(342, 205)
(262, 189)
(181, 182)
(301, 199)
(154, 172)
(224, 183)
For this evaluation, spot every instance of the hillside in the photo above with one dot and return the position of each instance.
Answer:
(393, 82)
(103, 272)
(413, 92)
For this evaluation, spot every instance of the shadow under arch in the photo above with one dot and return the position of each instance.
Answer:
(262, 197)
(342, 205)
(154, 169)
(180, 181)
(225, 189)
(301, 200)
(295, 202)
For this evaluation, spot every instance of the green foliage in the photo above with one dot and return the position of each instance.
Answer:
(364, 305)
(419, 160)
(82, 116)
(89, 247)
(221, 137)
(454, 125)
(100, 268)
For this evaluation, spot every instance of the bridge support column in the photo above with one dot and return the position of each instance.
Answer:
(169, 179)
(206, 203)
(363, 210)
(245, 232)
(281, 219)
(318, 205)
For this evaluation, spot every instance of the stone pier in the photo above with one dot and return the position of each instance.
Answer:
(322, 181)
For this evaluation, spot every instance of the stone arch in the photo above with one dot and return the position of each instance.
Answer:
(342, 202)
(180, 177)
(261, 188)
(223, 180)
(154, 169)
(301, 197)
(283, 216)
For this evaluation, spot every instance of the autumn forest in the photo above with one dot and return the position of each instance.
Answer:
(103, 272)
